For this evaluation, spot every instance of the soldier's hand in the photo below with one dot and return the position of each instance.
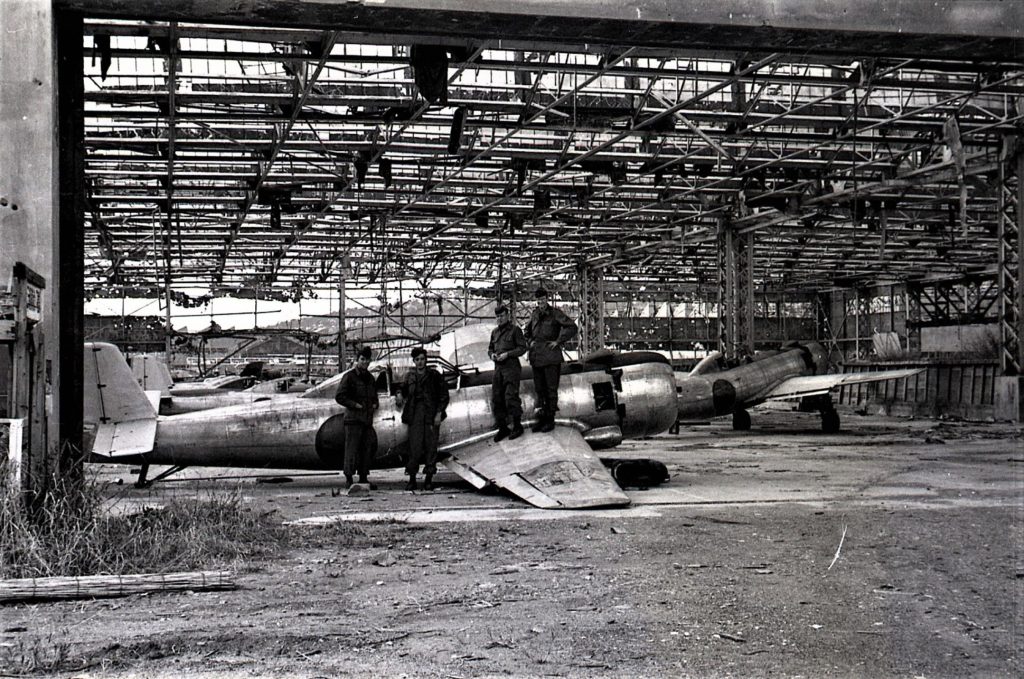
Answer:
(437, 420)
(552, 344)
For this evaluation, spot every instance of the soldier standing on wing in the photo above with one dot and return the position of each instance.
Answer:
(506, 346)
(548, 330)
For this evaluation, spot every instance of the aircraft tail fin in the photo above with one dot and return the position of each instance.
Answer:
(152, 373)
(708, 364)
(115, 404)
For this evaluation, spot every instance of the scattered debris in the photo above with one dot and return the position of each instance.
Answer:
(838, 550)
(731, 637)
(385, 559)
(496, 644)
(358, 489)
(504, 570)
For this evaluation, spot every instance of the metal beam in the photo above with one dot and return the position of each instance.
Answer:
(925, 28)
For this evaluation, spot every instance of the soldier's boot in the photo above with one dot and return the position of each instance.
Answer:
(428, 482)
(412, 482)
(549, 422)
(502, 433)
(542, 418)
(363, 479)
(348, 480)
(517, 429)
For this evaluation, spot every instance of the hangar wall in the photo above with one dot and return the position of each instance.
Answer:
(28, 211)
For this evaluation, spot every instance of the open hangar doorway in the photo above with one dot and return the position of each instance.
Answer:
(232, 149)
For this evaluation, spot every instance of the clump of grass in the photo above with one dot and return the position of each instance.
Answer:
(36, 656)
(71, 533)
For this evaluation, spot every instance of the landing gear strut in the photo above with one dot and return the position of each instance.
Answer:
(741, 420)
(143, 482)
(830, 421)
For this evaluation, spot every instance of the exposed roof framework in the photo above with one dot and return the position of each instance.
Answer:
(258, 160)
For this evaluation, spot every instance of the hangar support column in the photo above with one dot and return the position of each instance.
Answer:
(915, 314)
(1011, 257)
(1010, 388)
(735, 291)
(591, 320)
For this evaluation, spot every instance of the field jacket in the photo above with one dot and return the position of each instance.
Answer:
(509, 339)
(428, 391)
(551, 325)
(357, 387)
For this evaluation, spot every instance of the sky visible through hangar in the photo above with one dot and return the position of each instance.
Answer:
(230, 160)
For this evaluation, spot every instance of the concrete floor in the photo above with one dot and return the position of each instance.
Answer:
(725, 571)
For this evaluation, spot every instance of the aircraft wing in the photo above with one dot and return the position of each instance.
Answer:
(557, 470)
(813, 385)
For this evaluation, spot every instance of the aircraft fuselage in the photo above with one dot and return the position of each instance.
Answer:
(723, 392)
(635, 396)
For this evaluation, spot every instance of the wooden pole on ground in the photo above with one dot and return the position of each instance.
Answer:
(97, 586)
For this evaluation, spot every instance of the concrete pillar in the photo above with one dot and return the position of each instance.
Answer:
(28, 180)
(1009, 399)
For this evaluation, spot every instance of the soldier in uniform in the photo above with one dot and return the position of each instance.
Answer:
(506, 346)
(548, 330)
(423, 399)
(358, 393)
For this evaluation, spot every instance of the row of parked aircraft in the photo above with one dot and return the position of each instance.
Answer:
(604, 399)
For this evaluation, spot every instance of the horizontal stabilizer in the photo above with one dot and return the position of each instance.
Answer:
(124, 438)
(813, 385)
(556, 470)
(154, 397)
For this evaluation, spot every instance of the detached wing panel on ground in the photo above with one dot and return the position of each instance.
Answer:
(555, 471)
(816, 385)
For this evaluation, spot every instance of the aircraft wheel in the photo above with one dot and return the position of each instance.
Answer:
(741, 420)
(830, 421)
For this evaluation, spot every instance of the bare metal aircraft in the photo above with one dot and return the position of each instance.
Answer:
(215, 392)
(622, 396)
(797, 372)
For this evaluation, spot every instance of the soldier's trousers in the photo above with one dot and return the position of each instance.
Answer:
(545, 383)
(505, 401)
(422, 443)
(359, 448)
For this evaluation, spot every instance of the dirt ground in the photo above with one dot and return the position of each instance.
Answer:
(891, 549)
